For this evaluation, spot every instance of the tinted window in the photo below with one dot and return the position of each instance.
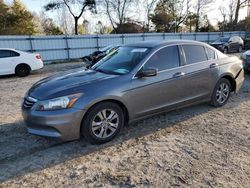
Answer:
(8, 53)
(194, 53)
(165, 58)
(210, 53)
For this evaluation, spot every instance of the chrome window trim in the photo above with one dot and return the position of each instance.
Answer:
(146, 60)
(185, 65)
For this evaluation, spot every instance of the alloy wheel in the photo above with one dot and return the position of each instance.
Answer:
(222, 93)
(105, 123)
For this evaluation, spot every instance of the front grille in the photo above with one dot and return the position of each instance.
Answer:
(28, 102)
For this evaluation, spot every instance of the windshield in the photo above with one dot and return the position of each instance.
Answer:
(223, 39)
(121, 61)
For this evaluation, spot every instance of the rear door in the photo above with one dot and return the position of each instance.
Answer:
(201, 71)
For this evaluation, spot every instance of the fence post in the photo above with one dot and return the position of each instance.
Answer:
(208, 37)
(97, 42)
(164, 36)
(143, 36)
(67, 46)
(31, 45)
(122, 37)
(194, 35)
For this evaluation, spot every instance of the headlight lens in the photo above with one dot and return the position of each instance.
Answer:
(58, 103)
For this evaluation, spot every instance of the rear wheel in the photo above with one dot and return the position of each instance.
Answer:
(103, 122)
(22, 70)
(221, 93)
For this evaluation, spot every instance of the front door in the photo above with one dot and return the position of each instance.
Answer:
(152, 94)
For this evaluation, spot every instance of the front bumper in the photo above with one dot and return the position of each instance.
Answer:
(62, 124)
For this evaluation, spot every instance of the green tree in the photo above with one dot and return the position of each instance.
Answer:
(49, 27)
(3, 17)
(191, 21)
(169, 15)
(20, 20)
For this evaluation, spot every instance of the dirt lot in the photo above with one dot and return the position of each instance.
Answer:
(200, 146)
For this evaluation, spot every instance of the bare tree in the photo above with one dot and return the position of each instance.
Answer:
(239, 5)
(223, 12)
(231, 11)
(118, 11)
(201, 7)
(149, 6)
(72, 5)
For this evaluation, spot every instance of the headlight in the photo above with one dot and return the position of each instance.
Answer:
(58, 103)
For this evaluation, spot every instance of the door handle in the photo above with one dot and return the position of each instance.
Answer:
(213, 65)
(179, 74)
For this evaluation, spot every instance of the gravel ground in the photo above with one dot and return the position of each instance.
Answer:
(199, 146)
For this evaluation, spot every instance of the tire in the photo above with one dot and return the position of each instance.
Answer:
(226, 51)
(22, 70)
(96, 129)
(221, 93)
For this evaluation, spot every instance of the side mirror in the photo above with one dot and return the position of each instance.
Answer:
(147, 72)
(230, 41)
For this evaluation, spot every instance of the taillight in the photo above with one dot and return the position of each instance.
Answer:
(38, 56)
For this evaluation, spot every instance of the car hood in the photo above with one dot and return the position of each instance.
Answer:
(66, 83)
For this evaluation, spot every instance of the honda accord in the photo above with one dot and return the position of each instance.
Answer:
(133, 82)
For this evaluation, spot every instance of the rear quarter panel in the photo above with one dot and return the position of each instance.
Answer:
(232, 66)
(30, 59)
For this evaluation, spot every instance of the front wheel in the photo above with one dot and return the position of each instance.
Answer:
(102, 123)
(221, 93)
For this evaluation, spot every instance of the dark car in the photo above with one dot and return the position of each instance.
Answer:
(96, 56)
(228, 44)
(134, 82)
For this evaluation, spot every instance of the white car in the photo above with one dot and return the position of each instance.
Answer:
(18, 62)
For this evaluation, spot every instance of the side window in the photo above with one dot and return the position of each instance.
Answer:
(14, 54)
(8, 53)
(165, 58)
(210, 53)
(194, 53)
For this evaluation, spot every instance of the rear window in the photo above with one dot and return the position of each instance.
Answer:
(194, 53)
(8, 53)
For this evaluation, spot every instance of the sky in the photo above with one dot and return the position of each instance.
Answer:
(213, 11)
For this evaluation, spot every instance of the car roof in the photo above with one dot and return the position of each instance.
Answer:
(155, 44)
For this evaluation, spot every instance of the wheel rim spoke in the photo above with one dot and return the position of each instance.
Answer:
(222, 93)
(105, 123)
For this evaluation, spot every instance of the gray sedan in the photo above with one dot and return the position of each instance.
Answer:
(132, 82)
